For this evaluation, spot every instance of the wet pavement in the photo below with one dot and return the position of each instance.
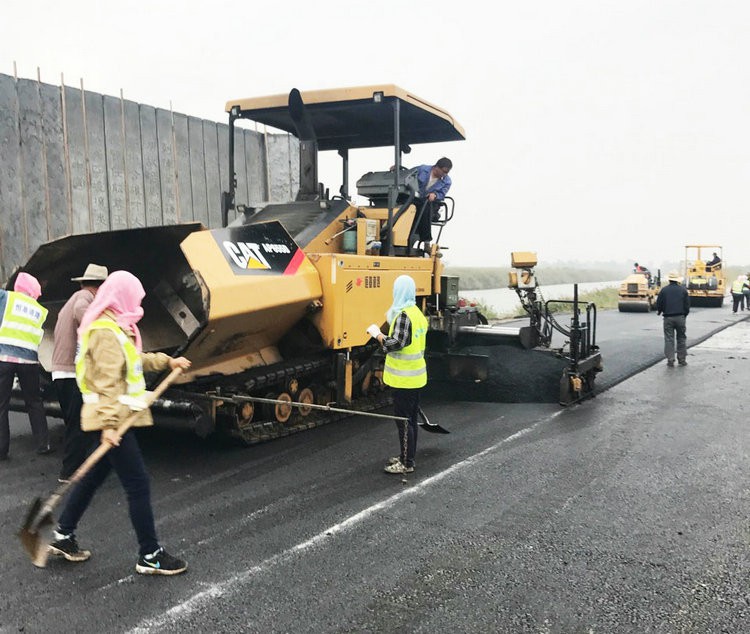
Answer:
(626, 513)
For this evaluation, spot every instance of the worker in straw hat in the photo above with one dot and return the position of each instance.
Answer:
(76, 444)
(673, 302)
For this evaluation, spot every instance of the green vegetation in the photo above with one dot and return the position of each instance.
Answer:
(605, 299)
(484, 278)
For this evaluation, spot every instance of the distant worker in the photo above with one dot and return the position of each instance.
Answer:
(109, 369)
(738, 296)
(21, 321)
(77, 443)
(405, 368)
(714, 264)
(434, 184)
(673, 302)
(637, 268)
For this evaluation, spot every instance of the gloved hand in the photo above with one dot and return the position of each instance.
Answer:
(373, 330)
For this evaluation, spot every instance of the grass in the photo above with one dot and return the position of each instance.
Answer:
(487, 278)
(604, 298)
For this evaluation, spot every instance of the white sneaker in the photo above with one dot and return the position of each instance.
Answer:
(397, 467)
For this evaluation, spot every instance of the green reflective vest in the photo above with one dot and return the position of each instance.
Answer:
(406, 368)
(21, 327)
(737, 286)
(134, 377)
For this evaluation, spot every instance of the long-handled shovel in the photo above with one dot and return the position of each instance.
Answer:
(36, 532)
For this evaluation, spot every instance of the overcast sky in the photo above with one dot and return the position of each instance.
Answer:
(596, 129)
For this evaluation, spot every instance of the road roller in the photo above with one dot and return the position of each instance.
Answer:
(704, 276)
(638, 292)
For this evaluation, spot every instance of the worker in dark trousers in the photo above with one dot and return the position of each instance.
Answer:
(109, 370)
(738, 298)
(21, 320)
(673, 302)
(77, 444)
(405, 368)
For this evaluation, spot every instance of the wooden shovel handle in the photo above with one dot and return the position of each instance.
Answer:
(104, 447)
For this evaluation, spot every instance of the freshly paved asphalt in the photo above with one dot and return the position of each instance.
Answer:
(626, 513)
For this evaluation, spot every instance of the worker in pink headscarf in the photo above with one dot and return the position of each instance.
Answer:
(21, 321)
(109, 370)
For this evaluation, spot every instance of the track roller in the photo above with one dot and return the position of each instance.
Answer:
(306, 396)
(283, 412)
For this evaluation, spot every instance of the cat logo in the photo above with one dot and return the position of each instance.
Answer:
(246, 255)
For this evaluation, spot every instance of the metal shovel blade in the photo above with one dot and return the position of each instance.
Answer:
(425, 424)
(36, 532)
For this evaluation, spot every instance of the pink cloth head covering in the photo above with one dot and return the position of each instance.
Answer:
(121, 294)
(28, 285)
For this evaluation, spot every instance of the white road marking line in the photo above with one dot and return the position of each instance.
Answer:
(187, 607)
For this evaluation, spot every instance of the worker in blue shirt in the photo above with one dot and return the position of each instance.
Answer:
(434, 184)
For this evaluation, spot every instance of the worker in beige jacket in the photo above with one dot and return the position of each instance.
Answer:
(109, 371)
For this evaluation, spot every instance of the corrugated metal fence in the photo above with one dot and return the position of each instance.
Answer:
(74, 161)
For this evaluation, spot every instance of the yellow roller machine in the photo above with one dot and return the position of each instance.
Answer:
(638, 292)
(705, 282)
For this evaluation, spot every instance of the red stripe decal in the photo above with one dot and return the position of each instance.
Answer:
(295, 262)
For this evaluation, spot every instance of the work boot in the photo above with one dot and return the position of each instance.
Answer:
(160, 563)
(67, 546)
(670, 364)
(683, 362)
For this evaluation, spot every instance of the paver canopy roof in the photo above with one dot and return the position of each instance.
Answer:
(345, 118)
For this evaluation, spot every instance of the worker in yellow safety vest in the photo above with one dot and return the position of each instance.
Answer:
(738, 299)
(405, 368)
(21, 320)
(109, 370)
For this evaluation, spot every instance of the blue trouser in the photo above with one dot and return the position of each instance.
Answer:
(28, 380)
(674, 325)
(127, 462)
(406, 404)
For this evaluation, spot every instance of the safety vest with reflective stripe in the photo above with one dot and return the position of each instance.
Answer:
(406, 368)
(21, 327)
(737, 286)
(134, 377)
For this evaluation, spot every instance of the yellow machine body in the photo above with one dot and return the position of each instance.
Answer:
(358, 291)
(275, 304)
(251, 306)
(637, 294)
